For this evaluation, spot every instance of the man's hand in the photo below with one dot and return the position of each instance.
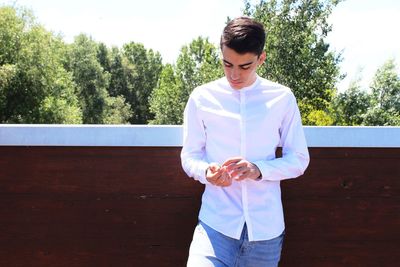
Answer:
(239, 169)
(218, 176)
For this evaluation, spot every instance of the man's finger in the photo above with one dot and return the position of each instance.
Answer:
(231, 160)
(237, 167)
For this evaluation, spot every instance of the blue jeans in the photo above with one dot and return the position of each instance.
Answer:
(211, 248)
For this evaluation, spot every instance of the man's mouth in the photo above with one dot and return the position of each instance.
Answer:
(235, 82)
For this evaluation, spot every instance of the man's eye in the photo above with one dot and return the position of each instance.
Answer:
(228, 65)
(245, 68)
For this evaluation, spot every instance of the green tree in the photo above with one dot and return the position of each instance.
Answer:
(7, 73)
(90, 78)
(318, 118)
(92, 83)
(385, 97)
(386, 87)
(351, 106)
(297, 54)
(117, 111)
(121, 72)
(141, 69)
(103, 57)
(197, 63)
(32, 76)
(166, 100)
(62, 105)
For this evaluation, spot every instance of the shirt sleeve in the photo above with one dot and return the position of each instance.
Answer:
(295, 157)
(194, 140)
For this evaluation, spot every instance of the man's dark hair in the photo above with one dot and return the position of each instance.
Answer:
(244, 35)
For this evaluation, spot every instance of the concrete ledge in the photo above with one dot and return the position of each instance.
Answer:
(335, 136)
(171, 136)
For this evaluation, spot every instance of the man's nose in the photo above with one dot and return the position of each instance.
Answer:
(235, 74)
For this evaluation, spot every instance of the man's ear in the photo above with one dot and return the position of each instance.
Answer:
(261, 58)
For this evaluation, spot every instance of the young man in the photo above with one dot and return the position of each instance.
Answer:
(232, 128)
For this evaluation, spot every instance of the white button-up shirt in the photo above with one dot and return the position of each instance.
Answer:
(221, 122)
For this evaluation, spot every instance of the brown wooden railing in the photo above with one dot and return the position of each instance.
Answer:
(76, 205)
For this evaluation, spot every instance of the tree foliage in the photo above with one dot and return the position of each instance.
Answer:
(34, 86)
(89, 77)
(351, 105)
(88, 61)
(378, 106)
(144, 68)
(385, 96)
(45, 80)
(197, 63)
(166, 101)
(298, 55)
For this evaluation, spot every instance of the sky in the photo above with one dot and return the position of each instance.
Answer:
(364, 31)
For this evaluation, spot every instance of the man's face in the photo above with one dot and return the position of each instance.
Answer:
(240, 69)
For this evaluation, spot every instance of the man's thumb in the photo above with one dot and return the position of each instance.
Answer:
(214, 167)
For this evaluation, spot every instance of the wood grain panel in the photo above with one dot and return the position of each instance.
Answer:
(134, 206)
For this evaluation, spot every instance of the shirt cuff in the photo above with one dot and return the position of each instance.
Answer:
(201, 171)
(263, 167)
